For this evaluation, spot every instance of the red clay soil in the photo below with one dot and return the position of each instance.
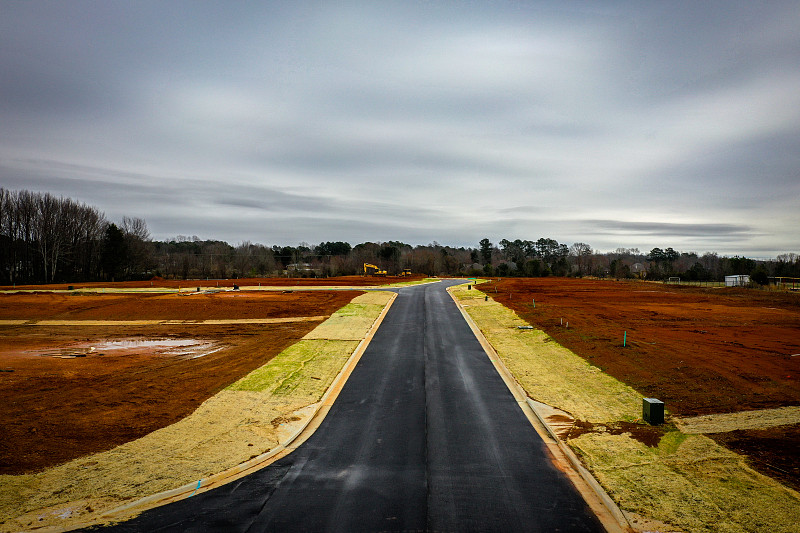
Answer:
(344, 281)
(699, 350)
(772, 451)
(174, 306)
(56, 409)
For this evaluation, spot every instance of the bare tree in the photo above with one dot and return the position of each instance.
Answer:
(47, 238)
(138, 247)
(582, 253)
(50, 232)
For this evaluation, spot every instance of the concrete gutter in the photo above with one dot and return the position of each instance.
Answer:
(596, 497)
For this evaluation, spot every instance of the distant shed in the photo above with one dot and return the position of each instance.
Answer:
(738, 280)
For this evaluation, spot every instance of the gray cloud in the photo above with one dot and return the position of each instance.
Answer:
(618, 124)
(662, 229)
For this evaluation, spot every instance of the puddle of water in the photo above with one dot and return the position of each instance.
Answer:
(127, 344)
(188, 348)
(193, 348)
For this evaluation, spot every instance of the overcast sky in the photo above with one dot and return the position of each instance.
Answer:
(617, 124)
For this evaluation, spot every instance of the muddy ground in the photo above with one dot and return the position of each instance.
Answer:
(56, 406)
(700, 351)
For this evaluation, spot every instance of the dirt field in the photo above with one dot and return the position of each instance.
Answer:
(701, 351)
(340, 281)
(66, 391)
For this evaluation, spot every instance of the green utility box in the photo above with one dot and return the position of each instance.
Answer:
(653, 411)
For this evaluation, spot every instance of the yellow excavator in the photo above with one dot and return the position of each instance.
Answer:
(373, 270)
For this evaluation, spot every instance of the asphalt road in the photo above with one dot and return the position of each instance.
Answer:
(425, 436)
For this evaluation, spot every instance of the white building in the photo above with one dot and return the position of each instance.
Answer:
(739, 280)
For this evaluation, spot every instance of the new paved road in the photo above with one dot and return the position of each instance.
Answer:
(425, 436)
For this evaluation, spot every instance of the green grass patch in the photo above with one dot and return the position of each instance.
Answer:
(305, 369)
(352, 322)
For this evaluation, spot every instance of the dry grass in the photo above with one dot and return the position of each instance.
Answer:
(687, 481)
(224, 431)
(342, 326)
(722, 423)
(547, 371)
(690, 482)
(248, 419)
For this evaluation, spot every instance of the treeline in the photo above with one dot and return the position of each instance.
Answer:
(546, 257)
(193, 258)
(46, 239)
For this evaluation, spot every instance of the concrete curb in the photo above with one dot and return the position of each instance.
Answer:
(584, 473)
(620, 523)
(130, 509)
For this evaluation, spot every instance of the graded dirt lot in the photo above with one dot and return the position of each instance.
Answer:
(701, 351)
(339, 281)
(94, 377)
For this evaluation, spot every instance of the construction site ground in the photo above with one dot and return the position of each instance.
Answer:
(664, 478)
(700, 351)
(191, 284)
(71, 386)
(720, 359)
(166, 416)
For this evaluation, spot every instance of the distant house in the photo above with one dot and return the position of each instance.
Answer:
(739, 280)
(474, 269)
(510, 265)
(303, 269)
(638, 270)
